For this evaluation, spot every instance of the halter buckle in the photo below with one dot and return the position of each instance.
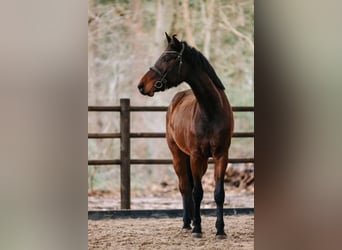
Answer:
(158, 84)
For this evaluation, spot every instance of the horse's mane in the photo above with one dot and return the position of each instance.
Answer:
(197, 59)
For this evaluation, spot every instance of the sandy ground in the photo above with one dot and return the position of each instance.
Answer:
(169, 201)
(165, 194)
(165, 233)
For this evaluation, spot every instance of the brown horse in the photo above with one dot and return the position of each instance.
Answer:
(199, 125)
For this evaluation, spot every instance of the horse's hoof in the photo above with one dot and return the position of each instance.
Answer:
(221, 236)
(196, 235)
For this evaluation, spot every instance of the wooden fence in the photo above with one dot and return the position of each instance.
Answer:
(125, 160)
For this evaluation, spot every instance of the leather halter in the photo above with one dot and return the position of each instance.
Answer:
(162, 83)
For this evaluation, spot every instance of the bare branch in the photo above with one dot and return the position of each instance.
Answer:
(228, 26)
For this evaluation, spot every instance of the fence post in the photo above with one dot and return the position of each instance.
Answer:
(125, 148)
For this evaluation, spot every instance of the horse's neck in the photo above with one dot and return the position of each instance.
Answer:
(207, 95)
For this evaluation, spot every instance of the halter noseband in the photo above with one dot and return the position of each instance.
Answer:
(163, 81)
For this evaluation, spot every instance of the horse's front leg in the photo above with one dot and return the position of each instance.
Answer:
(186, 187)
(198, 168)
(219, 194)
(181, 165)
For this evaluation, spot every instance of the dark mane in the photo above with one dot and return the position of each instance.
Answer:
(197, 59)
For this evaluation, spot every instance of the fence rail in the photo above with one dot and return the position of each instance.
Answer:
(151, 135)
(159, 161)
(125, 160)
(163, 213)
(153, 108)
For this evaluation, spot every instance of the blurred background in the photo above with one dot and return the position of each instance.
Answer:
(44, 95)
(124, 39)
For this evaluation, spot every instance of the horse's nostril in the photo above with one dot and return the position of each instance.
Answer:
(141, 87)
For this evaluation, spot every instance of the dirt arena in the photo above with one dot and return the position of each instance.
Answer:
(165, 233)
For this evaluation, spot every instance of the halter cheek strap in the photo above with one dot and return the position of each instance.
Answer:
(162, 83)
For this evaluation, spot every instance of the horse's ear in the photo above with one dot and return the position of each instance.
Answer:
(176, 41)
(168, 38)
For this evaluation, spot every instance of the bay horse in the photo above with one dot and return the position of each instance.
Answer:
(199, 125)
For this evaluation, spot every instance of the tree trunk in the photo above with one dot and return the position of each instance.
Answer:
(208, 20)
(136, 39)
(166, 14)
(93, 50)
(173, 28)
(160, 25)
(187, 24)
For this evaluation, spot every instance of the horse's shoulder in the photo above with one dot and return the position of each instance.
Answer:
(180, 96)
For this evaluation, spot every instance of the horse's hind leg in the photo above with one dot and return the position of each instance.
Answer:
(220, 169)
(181, 164)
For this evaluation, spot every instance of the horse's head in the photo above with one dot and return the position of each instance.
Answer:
(167, 71)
